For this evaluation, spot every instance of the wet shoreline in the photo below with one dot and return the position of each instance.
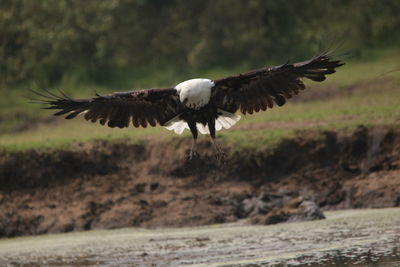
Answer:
(345, 237)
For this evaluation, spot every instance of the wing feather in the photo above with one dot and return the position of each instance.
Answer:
(141, 108)
(259, 89)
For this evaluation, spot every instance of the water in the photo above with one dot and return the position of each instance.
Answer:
(347, 237)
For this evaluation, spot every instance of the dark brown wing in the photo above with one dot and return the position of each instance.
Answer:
(142, 107)
(259, 89)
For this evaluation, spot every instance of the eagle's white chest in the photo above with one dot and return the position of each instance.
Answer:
(195, 93)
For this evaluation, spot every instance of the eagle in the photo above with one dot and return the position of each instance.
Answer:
(200, 105)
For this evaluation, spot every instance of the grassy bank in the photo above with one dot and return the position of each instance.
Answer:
(364, 91)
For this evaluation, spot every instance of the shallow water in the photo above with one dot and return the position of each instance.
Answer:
(347, 237)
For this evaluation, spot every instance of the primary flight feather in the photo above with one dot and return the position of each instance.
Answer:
(200, 105)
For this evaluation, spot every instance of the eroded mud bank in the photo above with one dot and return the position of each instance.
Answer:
(106, 185)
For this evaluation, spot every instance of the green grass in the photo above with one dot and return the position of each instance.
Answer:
(366, 91)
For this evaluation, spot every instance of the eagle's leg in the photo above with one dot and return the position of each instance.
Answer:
(219, 153)
(193, 149)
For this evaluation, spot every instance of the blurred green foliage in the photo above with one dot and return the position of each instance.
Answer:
(48, 41)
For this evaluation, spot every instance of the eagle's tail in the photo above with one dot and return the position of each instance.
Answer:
(176, 124)
(226, 119)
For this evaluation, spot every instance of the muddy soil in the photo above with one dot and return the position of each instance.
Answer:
(105, 185)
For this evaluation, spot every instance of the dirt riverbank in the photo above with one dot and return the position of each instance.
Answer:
(105, 185)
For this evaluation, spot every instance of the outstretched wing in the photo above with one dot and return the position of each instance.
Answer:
(140, 108)
(259, 89)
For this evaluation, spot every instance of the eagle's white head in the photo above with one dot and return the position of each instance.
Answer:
(195, 93)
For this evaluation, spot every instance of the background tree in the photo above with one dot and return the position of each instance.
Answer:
(45, 41)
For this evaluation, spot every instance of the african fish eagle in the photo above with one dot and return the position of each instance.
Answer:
(200, 105)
